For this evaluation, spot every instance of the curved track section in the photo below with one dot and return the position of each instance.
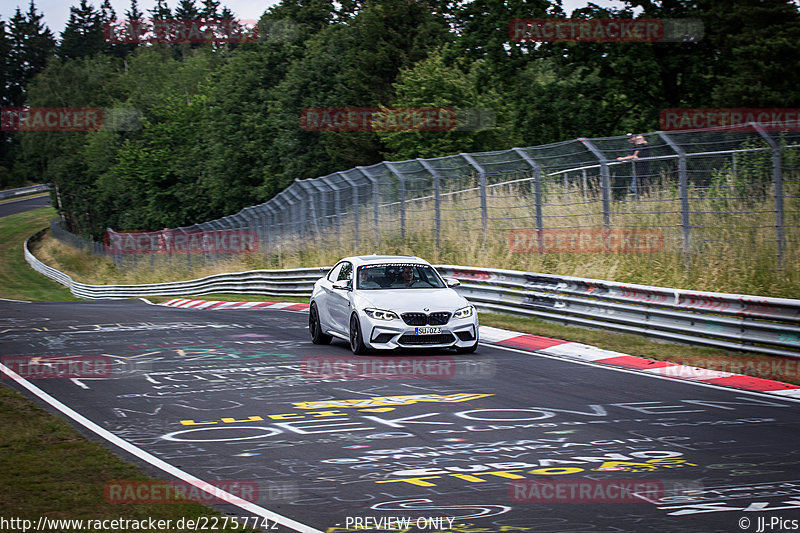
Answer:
(500, 441)
(12, 207)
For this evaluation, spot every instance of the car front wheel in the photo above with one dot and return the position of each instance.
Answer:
(468, 349)
(317, 336)
(356, 338)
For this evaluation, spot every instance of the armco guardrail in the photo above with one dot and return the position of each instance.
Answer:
(732, 321)
(290, 282)
(23, 191)
(758, 324)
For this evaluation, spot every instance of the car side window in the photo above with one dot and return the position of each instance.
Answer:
(333, 275)
(346, 272)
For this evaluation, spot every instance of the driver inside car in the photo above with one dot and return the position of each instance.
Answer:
(365, 281)
(407, 277)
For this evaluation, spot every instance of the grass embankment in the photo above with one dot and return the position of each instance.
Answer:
(18, 281)
(49, 469)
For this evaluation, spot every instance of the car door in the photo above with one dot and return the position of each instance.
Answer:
(339, 299)
(323, 298)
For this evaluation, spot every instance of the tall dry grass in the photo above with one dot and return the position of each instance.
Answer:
(732, 247)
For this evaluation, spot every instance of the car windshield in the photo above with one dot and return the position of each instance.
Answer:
(398, 276)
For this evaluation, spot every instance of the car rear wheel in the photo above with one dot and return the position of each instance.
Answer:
(317, 336)
(356, 338)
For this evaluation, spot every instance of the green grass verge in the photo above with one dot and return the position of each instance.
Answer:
(49, 469)
(18, 281)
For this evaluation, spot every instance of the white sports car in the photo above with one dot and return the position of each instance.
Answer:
(384, 302)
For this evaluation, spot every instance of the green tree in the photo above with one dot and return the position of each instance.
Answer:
(756, 46)
(434, 83)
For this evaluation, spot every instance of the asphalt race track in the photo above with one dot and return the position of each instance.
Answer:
(12, 207)
(498, 441)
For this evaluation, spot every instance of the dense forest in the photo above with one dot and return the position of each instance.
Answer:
(194, 131)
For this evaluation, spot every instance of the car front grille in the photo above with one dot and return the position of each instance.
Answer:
(421, 319)
(415, 340)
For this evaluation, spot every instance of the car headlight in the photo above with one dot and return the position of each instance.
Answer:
(380, 314)
(464, 312)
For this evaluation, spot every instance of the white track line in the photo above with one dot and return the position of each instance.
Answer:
(155, 461)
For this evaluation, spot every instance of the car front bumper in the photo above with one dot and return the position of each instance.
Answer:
(394, 334)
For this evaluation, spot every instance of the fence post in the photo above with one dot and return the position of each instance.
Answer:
(298, 208)
(482, 187)
(683, 185)
(354, 188)
(777, 182)
(537, 196)
(402, 181)
(337, 206)
(437, 199)
(269, 226)
(375, 202)
(605, 180)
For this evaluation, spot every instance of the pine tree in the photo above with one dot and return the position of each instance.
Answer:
(5, 64)
(160, 11)
(186, 10)
(210, 10)
(134, 19)
(31, 43)
(83, 34)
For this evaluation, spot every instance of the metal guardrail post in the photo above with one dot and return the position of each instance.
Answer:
(605, 180)
(402, 187)
(482, 186)
(777, 183)
(683, 185)
(537, 196)
(437, 199)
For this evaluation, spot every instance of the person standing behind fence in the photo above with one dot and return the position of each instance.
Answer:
(640, 181)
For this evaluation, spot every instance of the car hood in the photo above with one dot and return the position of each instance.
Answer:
(411, 300)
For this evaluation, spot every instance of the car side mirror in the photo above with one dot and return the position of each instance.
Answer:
(342, 284)
(452, 282)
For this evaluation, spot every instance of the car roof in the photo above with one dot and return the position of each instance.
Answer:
(375, 258)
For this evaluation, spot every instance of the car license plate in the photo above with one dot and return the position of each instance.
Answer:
(427, 331)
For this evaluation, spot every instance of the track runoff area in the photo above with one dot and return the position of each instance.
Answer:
(236, 408)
